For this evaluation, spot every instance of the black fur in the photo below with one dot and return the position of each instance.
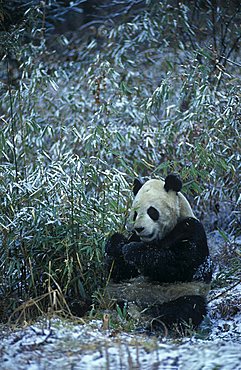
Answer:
(136, 186)
(178, 257)
(181, 312)
(173, 182)
(115, 262)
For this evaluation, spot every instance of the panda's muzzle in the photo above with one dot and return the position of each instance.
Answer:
(148, 238)
(138, 230)
(144, 237)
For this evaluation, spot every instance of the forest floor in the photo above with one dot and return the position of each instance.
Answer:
(65, 344)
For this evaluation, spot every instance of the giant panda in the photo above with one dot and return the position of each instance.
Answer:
(162, 270)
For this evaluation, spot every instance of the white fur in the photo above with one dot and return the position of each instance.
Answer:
(172, 208)
(143, 291)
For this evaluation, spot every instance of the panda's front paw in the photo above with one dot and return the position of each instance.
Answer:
(113, 247)
(132, 252)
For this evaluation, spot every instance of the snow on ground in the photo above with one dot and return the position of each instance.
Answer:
(61, 344)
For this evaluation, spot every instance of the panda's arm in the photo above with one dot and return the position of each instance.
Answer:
(189, 229)
(174, 258)
(153, 262)
(117, 267)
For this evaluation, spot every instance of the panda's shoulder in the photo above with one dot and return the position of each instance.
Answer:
(191, 223)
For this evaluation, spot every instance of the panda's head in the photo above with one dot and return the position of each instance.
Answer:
(157, 208)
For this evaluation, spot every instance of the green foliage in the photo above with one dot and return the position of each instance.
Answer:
(142, 100)
(122, 313)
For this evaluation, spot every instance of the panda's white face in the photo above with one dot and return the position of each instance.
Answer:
(155, 211)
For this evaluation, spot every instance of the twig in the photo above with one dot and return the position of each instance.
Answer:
(223, 293)
(12, 121)
(227, 59)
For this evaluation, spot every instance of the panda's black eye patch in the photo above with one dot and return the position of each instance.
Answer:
(153, 213)
(134, 216)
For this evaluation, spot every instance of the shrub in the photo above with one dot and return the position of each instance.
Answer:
(140, 99)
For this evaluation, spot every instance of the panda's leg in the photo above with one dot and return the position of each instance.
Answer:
(183, 312)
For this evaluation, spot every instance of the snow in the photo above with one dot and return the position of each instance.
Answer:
(67, 345)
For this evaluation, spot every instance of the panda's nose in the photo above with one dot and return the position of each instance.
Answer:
(139, 229)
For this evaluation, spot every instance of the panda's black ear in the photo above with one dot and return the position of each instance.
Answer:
(173, 182)
(136, 186)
